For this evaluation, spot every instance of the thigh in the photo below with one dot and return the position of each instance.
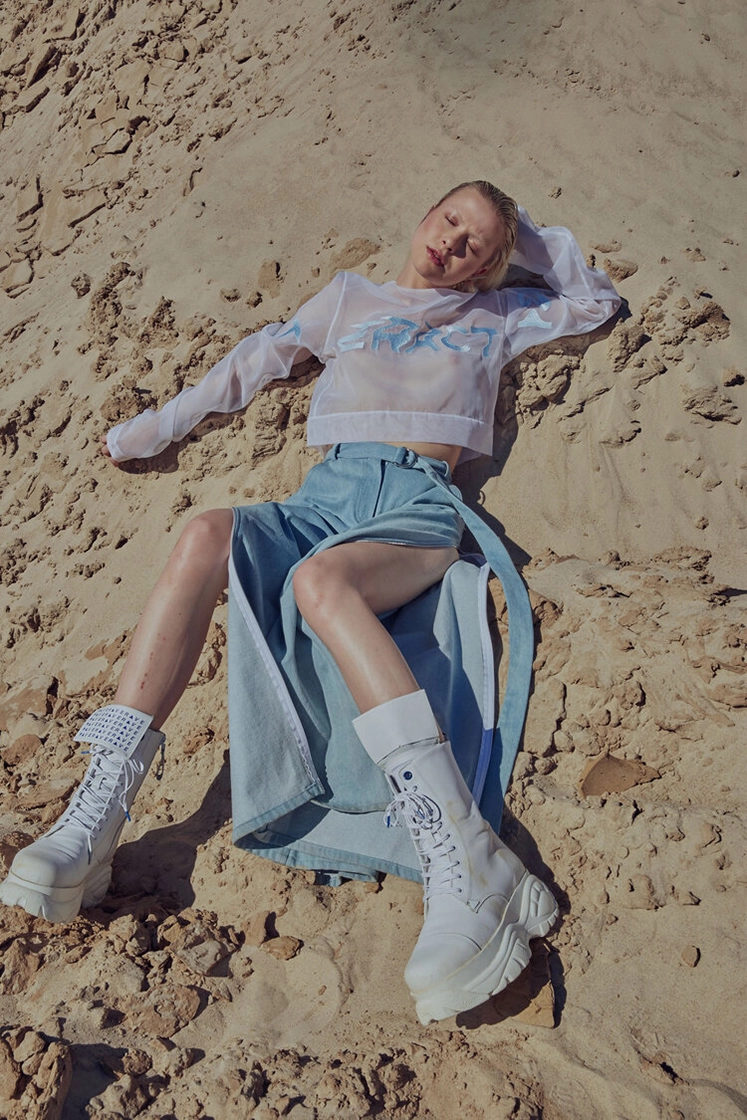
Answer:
(269, 540)
(385, 575)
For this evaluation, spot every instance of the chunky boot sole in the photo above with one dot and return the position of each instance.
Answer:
(531, 912)
(70, 866)
(56, 904)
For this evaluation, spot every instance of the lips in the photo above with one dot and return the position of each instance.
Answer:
(435, 257)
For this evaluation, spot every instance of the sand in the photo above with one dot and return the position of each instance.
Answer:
(174, 176)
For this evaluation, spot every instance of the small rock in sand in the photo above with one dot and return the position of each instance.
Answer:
(607, 774)
(283, 948)
(691, 955)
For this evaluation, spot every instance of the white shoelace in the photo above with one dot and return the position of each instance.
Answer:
(109, 777)
(423, 818)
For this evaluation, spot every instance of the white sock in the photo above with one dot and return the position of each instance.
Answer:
(398, 723)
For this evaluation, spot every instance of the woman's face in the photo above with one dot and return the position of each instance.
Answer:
(454, 242)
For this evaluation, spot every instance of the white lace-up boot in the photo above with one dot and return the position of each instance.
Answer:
(71, 865)
(481, 905)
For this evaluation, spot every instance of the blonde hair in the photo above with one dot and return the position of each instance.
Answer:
(506, 209)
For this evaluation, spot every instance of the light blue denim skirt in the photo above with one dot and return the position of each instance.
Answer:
(304, 792)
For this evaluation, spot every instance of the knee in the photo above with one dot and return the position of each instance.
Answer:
(316, 588)
(206, 539)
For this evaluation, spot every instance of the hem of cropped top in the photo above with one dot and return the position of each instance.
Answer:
(403, 427)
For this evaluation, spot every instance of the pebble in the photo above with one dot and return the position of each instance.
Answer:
(283, 948)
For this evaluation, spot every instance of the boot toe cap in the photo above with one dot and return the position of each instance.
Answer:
(45, 864)
(436, 958)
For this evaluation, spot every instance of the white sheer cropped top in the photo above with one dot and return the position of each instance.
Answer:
(400, 364)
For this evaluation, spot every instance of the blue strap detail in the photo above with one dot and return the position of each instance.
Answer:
(507, 733)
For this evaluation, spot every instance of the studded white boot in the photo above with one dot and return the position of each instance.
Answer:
(482, 907)
(71, 865)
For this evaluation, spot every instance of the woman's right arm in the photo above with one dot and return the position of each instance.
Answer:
(575, 299)
(231, 384)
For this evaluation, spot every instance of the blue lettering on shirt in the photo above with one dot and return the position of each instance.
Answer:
(451, 345)
(537, 304)
(294, 328)
(426, 338)
(532, 319)
(487, 331)
(397, 332)
(404, 336)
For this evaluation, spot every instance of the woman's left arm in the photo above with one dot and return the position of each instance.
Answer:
(576, 298)
(229, 386)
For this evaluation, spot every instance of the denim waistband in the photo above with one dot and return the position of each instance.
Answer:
(402, 456)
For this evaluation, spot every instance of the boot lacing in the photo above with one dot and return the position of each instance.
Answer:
(423, 818)
(110, 777)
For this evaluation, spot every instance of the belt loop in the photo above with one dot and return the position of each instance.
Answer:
(336, 451)
(402, 457)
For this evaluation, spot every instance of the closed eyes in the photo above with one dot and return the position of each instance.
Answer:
(453, 222)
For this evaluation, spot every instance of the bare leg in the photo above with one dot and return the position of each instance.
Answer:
(171, 633)
(481, 906)
(340, 591)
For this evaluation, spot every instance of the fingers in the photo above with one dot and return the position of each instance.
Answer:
(104, 450)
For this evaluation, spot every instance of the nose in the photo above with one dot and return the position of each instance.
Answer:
(454, 242)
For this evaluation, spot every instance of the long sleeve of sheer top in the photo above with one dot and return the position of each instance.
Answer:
(230, 385)
(575, 300)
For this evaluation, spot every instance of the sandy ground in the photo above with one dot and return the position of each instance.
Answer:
(173, 176)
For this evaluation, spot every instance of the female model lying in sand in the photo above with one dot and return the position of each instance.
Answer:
(316, 586)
